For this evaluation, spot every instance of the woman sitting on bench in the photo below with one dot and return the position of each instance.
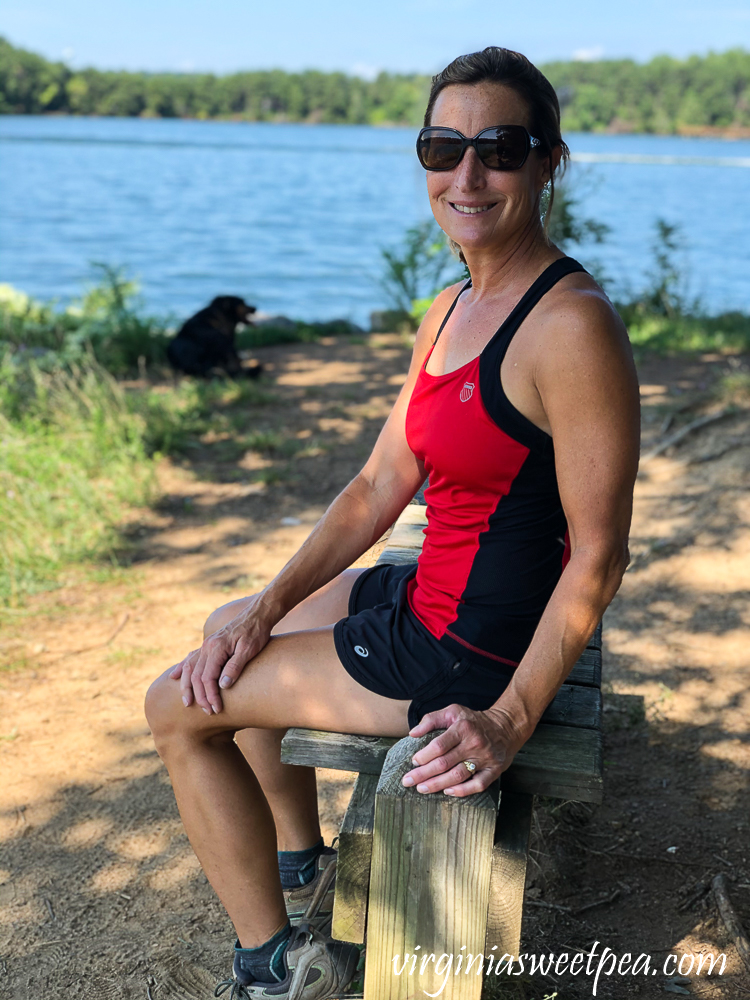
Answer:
(525, 547)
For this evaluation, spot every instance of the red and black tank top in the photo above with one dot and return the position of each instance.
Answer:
(496, 540)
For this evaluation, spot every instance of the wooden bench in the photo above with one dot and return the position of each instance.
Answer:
(428, 874)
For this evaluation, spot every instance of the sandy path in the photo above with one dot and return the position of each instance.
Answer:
(100, 894)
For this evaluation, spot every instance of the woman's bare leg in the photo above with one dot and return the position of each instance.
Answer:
(291, 791)
(297, 680)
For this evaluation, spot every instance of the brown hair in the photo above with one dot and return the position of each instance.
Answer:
(498, 65)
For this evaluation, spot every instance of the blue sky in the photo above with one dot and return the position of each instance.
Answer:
(355, 36)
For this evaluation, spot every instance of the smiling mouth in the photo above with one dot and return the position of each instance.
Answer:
(471, 209)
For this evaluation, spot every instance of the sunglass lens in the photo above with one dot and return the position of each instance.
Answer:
(502, 149)
(439, 151)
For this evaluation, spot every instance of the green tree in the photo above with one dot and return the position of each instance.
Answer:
(663, 95)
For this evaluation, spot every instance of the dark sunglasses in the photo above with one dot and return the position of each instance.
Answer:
(501, 147)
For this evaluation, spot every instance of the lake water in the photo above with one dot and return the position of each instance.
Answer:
(293, 217)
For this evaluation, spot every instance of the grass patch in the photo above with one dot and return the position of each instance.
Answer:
(269, 442)
(132, 656)
(685, 334)
(105, 324)
(108, 324)
(78, 449)
(72, 456)
(295, 332)
(734, 388)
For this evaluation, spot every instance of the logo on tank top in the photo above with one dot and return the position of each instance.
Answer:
(361, 651)
(466, 392)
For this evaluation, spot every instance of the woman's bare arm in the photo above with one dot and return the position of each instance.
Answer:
(354, 521)
(586, 380)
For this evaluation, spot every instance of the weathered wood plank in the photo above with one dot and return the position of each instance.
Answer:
(392, 556)
(509, 859)
(413, 513)
(405, 541)
(407, 535)
(429, 890)
(558, 761)
(353, 864)
(588, 669)
(577, 706)
(339, 751)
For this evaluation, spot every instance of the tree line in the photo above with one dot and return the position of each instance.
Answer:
(664, 95)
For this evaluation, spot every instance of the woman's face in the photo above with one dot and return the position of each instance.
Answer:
(508, 199)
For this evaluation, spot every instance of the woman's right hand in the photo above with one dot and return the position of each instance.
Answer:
(223, 656)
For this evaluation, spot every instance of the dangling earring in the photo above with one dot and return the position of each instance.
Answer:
(544, 200)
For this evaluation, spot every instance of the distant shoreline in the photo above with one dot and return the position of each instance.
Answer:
(701, 96)
(730, 134)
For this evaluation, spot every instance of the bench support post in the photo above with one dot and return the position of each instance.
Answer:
(509, 858)
(353, 864)
(429, 887)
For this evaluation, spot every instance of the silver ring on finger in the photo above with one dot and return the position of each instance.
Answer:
(470, 766)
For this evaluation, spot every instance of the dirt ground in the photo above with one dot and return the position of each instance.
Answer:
(100, 894)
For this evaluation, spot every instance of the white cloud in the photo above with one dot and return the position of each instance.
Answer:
(365, 71)
(589, 55)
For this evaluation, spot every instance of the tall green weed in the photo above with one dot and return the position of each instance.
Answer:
(72, 458)
(106, 324)
(78, 450)
(663, 319)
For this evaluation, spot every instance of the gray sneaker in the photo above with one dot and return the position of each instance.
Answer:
(316, 969)
(313, 902)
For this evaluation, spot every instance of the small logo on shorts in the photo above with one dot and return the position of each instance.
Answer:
(466, 392)
(361, 651)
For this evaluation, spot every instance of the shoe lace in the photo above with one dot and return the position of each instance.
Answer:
(238, 990)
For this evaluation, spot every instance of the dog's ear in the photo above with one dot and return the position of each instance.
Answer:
(220, 302)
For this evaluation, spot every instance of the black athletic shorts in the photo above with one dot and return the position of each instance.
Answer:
(386, 648)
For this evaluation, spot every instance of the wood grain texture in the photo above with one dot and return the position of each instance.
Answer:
(407, 531)
(392, 556)
(429, 889)
(576, 706)
(353, 864)
(340, 751)
(509, 858)
(588, 669)
(558, 761)
(579, 707)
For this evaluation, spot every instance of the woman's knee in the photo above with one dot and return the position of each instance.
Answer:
(223, 615)
(172, 724)
(160, 707)
(169, 720)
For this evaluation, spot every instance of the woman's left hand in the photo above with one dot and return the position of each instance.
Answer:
(488, 739)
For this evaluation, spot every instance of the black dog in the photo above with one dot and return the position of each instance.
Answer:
(204, 344)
